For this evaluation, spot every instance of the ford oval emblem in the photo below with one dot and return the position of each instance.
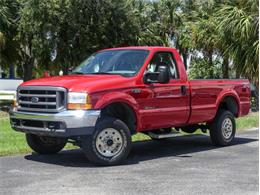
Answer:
(35, 100)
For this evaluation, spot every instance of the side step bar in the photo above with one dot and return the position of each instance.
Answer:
(163, 135)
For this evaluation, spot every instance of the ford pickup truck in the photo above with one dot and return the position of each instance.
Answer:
(118, 92)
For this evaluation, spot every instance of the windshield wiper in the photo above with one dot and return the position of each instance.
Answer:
(111, 73)
(108, 73)
(101, 73)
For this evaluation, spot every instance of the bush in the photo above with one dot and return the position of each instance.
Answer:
(200, 69)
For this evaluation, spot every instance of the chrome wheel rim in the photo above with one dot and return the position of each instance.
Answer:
(109, 142)
(227, 128)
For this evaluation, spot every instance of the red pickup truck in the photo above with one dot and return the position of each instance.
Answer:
(118, 92)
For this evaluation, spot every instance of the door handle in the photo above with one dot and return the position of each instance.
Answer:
(183, 90)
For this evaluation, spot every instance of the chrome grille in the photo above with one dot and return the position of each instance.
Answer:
(41, 99)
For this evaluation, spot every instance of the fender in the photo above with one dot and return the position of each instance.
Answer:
(119, 97)
(228, 93)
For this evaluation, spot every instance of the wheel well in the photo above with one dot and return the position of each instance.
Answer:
(229, 103)
(123, 112)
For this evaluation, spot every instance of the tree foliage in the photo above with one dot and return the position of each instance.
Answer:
(239, 23)
(61, 33)
(57, 34)
(8, 30)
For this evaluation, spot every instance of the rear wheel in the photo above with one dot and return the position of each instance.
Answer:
(44, 144)
(110, 143)
(223, 128)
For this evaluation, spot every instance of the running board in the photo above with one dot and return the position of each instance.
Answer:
(163, 135)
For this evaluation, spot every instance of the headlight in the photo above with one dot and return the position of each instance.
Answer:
(78, 101)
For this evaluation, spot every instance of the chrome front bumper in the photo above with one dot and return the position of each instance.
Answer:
(63, 124)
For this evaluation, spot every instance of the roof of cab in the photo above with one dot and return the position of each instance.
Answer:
(139, 47)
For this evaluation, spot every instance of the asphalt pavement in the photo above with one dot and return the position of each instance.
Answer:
(181, 165)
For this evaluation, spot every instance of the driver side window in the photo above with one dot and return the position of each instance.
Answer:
(162, 59)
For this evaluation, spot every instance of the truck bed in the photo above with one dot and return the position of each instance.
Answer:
(206, 95)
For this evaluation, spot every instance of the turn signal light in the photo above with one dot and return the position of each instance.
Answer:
(74, 106)
(14, 103)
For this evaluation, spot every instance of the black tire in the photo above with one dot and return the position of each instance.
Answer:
(92, 152)
(217, 136)
(44, 144)
(189, 129)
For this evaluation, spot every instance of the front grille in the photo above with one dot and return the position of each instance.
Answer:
(41, 99)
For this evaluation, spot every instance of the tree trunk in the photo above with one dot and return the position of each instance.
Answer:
(211, 69)
(225, 68)
(11, 71)
(237, 74)
(65, 69)
(27, 70)
(184, 56)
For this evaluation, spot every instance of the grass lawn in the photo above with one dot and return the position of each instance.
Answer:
(12, 142)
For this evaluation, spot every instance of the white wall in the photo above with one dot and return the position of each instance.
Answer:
(9, 84)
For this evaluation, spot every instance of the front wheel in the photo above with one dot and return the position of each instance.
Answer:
(223, 128)
(110, 143)
(44, 144)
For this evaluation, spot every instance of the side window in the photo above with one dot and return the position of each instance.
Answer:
(163, 59)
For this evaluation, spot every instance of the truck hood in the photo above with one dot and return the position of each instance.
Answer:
(83, 83)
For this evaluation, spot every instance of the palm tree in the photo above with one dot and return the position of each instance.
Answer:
(2, 40)
(239, 23)
(152, 28)
(166, 26)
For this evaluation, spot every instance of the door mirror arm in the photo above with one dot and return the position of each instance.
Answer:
(149, 77)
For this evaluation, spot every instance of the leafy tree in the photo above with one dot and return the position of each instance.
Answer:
(239, 23)
(62, 33)
(226, 29)
(166, 26)
(108, 24)
(8, 30)
(152, 31)
(58, 34)
(201, 69)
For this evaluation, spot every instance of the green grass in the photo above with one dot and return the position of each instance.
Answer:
(12, 142)
(249, 121)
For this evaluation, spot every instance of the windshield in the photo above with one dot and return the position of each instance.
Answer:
(123, 62)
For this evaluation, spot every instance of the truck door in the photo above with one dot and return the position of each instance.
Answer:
(169, 104)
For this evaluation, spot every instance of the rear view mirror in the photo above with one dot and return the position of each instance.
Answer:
(162, 76)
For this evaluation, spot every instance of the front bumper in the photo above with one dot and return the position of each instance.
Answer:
(67, 123)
